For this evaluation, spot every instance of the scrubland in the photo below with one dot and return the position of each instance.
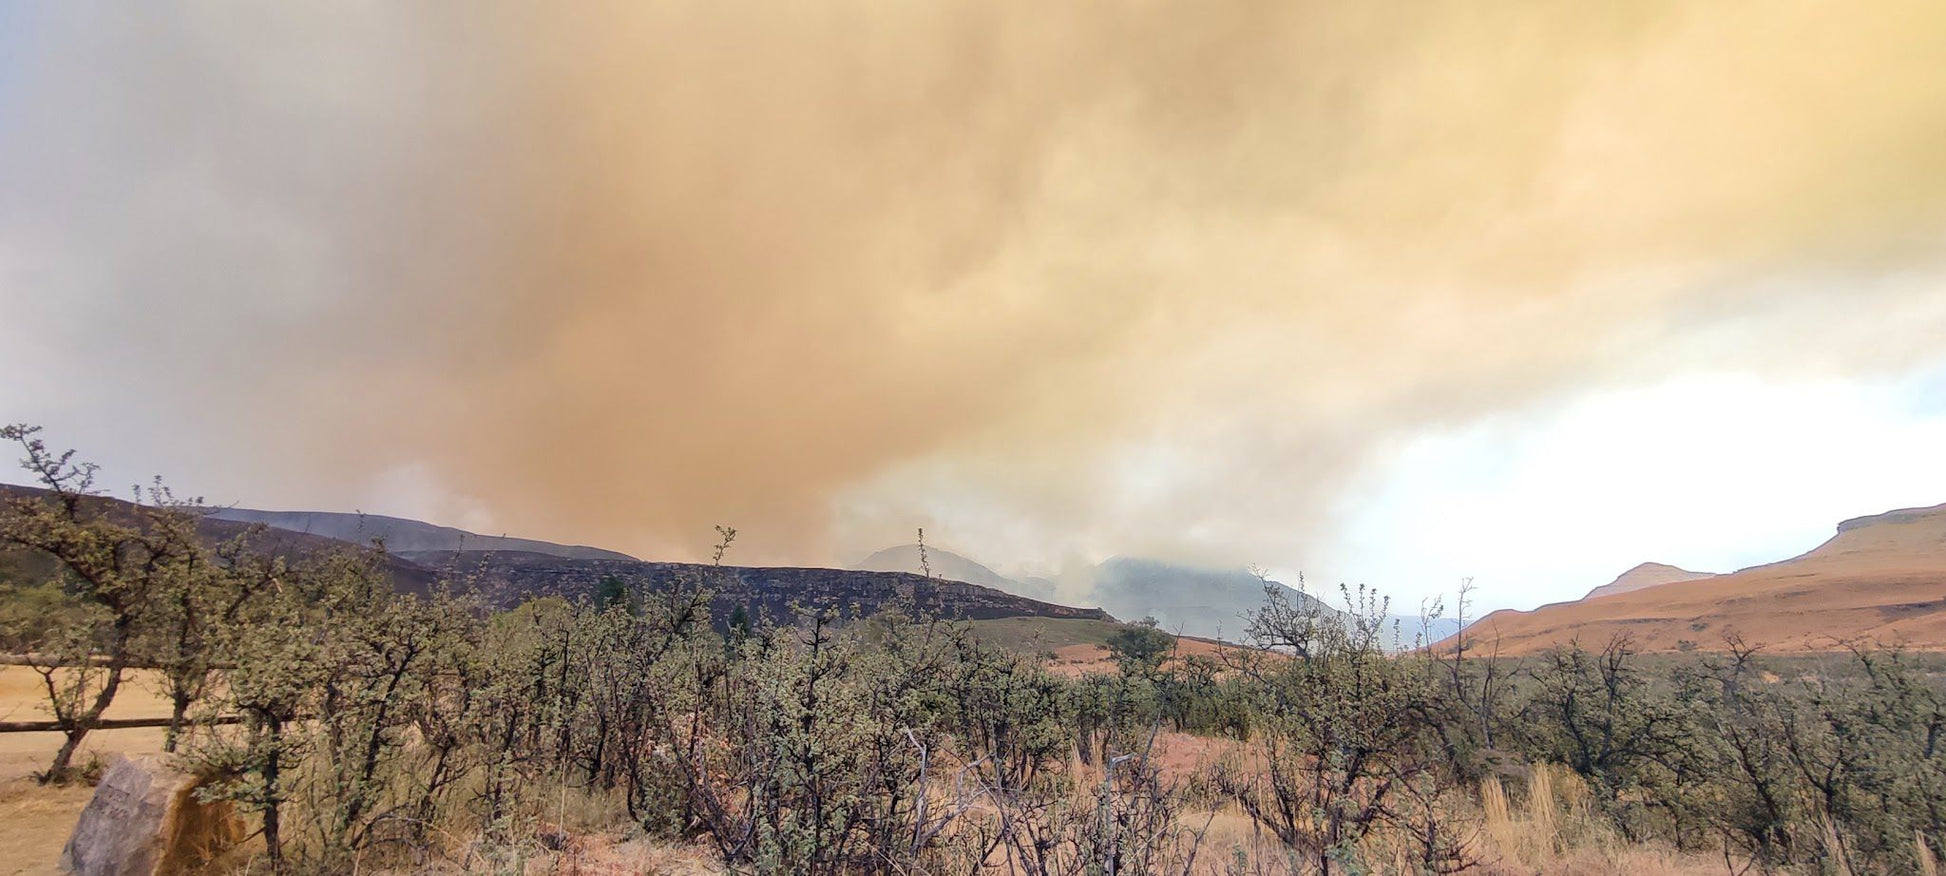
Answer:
(354, 728)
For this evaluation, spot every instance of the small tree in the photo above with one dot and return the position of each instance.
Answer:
(115, 574)
(276, 652)
(191, 606)
(1340, 732)
(1140, 648)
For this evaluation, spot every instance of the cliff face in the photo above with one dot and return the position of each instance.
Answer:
(508, 577)
(1893, 518)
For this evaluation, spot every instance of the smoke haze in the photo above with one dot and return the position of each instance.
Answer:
(1162, 277)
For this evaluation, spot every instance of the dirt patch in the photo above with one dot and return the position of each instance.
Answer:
(35, 822)
(23, 699)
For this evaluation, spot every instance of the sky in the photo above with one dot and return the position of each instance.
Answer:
(1395, 293)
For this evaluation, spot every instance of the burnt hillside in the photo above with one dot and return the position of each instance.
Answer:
(509, 577)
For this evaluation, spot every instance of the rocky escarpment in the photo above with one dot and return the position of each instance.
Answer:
(1901, 516)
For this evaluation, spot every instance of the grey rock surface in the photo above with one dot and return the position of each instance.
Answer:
(138, 822)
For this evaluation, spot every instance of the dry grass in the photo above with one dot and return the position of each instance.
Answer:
(34, 824)
(35, 821)
(597, 854)
(1554, 831)
(22, 699)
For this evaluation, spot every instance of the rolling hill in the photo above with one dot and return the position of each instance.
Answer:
(1881, 577)
(510, 577)
(403, 536)
(1645, 576)
(506, 571)
(407, 576)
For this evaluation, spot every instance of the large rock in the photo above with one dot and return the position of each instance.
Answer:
(144, 819)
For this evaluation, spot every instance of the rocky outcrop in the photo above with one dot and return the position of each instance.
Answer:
(145, 819)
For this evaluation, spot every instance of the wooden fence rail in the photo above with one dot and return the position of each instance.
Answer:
(94, 660)
(114, 724)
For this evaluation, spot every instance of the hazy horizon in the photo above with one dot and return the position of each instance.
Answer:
(1385, 293)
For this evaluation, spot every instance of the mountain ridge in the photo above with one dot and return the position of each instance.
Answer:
(1880, 577)
(417, 561)
(404, 534)
(1644, 576)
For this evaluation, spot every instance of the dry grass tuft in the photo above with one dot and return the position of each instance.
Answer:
(1493, 799)
(1543, 826)
(1555, 831)
(201, 833)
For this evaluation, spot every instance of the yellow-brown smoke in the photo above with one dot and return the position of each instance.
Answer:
(1151, 276)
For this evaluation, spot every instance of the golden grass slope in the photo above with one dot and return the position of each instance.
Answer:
(1643, 577)
(1881, 577)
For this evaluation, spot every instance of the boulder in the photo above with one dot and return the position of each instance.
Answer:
(145, 819)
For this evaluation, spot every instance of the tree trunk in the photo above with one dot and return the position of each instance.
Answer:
(273, 845)
(58, 771)
(78, 726)
(178, 716)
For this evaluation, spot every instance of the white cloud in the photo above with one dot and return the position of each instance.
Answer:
(1707, 471)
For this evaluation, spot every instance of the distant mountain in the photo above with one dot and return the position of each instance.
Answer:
(1645, 576)
(507, 571)
(953, 567)
(1413, 632)
(1197, 602)
(1881, 577)
(1212, 603)
(1203, 602)
(944, 564)
(402, 536)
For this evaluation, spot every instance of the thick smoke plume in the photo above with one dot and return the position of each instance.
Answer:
(1154, 277)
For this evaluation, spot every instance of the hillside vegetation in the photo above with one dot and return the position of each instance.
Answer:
(388, 730)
